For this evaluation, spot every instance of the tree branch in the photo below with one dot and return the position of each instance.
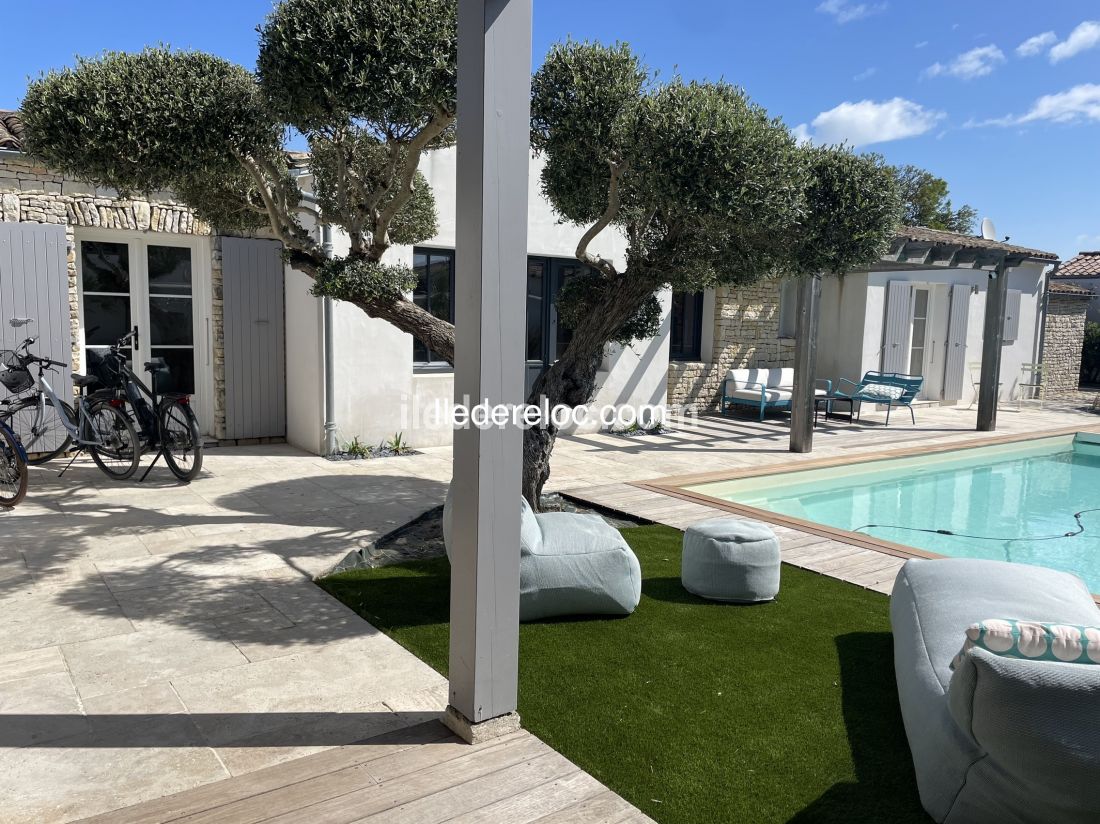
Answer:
(609, 214)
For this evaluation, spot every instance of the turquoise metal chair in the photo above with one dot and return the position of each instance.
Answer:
(890, 388)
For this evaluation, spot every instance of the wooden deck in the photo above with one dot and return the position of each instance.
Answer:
(869, 568)
(420, 775)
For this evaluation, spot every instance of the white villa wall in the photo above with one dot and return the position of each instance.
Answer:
(379, 392)
(1027, 278)
(841, 326)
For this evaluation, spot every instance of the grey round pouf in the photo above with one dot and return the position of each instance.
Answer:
(731, 559)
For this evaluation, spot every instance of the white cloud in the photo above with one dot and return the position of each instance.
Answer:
(801, 133)
(920, 45)
(1082, 38)
(869, 72)
(845, 11)
(1034, 45)
(968, 65)
(867, 122)
(1079, 103)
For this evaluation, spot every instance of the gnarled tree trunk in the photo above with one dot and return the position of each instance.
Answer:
(571, 380)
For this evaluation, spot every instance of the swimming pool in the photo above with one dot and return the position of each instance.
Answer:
(1034, 502)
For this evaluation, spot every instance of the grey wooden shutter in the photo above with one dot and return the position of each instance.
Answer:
(1012, 316)
(34, 283)
(895, 341)
(955, 364)
(255, 358)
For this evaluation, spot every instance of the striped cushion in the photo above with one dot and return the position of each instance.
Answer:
(1032, 640)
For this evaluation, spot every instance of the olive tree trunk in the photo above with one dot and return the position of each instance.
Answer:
(571, 380)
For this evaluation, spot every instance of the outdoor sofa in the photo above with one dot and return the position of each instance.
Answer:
(763, 389)
(995, 740)
(569, 564)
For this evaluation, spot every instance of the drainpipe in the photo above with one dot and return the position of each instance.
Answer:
(329, 357)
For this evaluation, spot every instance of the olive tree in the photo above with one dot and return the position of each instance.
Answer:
(370, 84)
(707, 190)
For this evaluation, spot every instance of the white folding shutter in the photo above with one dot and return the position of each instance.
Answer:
(895, 340)
(1012, 316)
(955, 363)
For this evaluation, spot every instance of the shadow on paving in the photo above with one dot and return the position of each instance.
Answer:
(241, 573)
(881, 794)
(159, 730)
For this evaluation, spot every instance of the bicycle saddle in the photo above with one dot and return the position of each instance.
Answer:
(84, 380)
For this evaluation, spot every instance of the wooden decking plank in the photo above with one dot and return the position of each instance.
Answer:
(477, 794)
(242, 787)
(537, 802)
(360, 802)
(603, 808)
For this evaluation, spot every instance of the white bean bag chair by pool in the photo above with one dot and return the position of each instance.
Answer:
(570, 564)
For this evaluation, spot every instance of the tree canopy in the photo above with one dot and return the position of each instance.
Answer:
(370, 84)
(707, 189)
(927, 202)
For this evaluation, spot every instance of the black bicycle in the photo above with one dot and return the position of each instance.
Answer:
(165, 422)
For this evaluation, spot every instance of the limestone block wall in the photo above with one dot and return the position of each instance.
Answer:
(746, 334)
(1062, 342)
(31, 193)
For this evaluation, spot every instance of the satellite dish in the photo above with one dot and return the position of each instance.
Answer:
(988, 232)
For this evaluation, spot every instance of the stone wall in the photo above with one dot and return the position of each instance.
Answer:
(31, 193)
(746, 334)
(1063, 338)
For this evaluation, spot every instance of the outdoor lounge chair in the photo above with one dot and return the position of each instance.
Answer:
(569, 564)
(890, 388)
(997, 738)
(763, 389)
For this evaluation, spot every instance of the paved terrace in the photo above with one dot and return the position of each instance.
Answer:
(158, 638)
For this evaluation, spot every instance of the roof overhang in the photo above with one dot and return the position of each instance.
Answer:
(907, 254)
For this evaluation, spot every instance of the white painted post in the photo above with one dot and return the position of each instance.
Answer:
(494, 92)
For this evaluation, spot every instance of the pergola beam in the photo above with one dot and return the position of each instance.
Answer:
(805, 364)
(494, 93)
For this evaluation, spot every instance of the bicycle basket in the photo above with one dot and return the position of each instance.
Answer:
(14, 375)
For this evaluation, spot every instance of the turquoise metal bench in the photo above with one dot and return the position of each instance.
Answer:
(890, 388)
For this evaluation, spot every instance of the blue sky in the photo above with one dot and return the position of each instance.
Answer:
(944, 85)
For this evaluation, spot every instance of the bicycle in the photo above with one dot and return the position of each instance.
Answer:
(172, 428)
(13, 467)
(97, 425)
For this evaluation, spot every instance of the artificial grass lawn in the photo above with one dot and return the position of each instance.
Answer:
(696, 711)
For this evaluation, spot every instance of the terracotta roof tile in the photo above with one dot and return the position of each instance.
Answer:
(1071, 289)
(11, 131)
(1083, 265)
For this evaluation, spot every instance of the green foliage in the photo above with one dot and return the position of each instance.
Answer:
(358, 279)
(358, 162)
(585, 295)
(397, 445)
(852, 208)
(357, 449)
(582, 102)
(388, 63)
(159, 119)
(926, 202)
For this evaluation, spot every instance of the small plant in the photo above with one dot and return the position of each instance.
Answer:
(356, 448)
(396, 445)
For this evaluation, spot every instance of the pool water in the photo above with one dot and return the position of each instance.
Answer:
(1011, 502)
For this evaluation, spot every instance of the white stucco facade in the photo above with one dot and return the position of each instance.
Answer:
(380, 392)
(852, 335)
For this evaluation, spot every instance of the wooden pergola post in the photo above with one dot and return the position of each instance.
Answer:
(996, 296)
(494, 93)
(805, 364)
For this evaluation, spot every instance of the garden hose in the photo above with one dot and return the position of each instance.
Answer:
(1076, 517)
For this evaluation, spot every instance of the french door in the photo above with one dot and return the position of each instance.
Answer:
(158, 287)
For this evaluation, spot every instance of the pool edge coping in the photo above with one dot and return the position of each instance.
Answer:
(673, 486)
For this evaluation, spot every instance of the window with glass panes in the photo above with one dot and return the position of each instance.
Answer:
(435, 271)
(686, 333)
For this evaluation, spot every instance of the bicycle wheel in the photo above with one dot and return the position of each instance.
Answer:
(117, 451)
(13, 471)
(180, 439)
(43, 439)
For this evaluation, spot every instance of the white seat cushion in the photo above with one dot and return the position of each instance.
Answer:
(770, 395)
